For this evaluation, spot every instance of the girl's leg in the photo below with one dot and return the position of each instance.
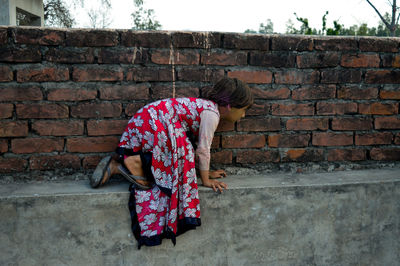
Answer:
(135, 166)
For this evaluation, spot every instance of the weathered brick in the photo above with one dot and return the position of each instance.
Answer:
(163, 91)
(388, 94)
(90, 162)
(391, 60)
(336, 108)
(303, 155)
(43, 110)
(96, 110)
(390, 122)
(19, 54)
(6, 74)
(336, 44)
(374, 138)
(259, 124)
(36, 145)
(225, 126)
(178, 57)
(243, 141)
(70, 55)
(360, 60)
(94, 73)
(291, 43)
(314, 92)
(71, 94)
(13, 129)
(52, 162)
(307, 124)
(257, 156)
(379, 45)
(288, 140)
(149, 74)
(132, 38)
(397, 139)
(3, 36)
(106, 127)
(357, 93)
(382, 76)
(390, 154)
(216, 143)
(332, 139)
(123, 55)
(38, 36)
(43, 74)
(58, 128)
(258, 109)
(92, 144)
(225, 58)
(205, 40)
(292, 109)
(246, 42)
(20, 93)
(3, 145)
(318, 60)
(253, 76)
(221, 157)
(6, 110)
(270, 94)
(378, 108)
(341, 76)
(9, 165)
(126, 92)
(352, 123)
(347, 155)
(200, 74)
(296, 77)
(272, 59)
(132, 108)
(91, 37)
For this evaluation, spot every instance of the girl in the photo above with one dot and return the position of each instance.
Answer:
(157, 154)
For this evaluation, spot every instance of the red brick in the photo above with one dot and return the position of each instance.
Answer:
(163, 92)
(390, 94)
(6, 74)
(132, 108)
(91, 37)
(258, 109)
(13, 129)
(271, 94)
(3, 145)
(391, 60)
(246, 42)
(52, 162)
(43, 110)
(149, 74)
(352, 123)
(96, 110)
(291, 43)
(3, 36)
(307, 124)
(200, 74)
(92, 144)
(126, 92)
(374, 138)
(257, 156)
(243, 141)
(70, 94)
(347, 155)
(360, 60)
(255, 76)
(38, 36)
(20, 93)
(382, 76)
(90, 162)
(225, 126)
(332, 139)
(6, 110)
(259, 124)
(122, 55)
(379, 45)
(288, 140)
(216, 143)
(397, 139)
(296, 77)
(378, 108)
(18, 54)
(293, 109)
(303, 155)
(9, 165)
(70, 55)
(314, 92)
(205, 40)
(106, 127)
(36, 145)
(335, 44)
(58, 128)
(272, 59)
(392, 154)
(391, 122)
(226, 58)
(94, 73)
(357, 93)
(43, 74)
(180, 57)
(221, 157)
(337, 108)
(341, 76)
(151, 39)
(318, 60)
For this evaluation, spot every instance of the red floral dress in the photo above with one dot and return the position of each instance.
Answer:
(171, 206)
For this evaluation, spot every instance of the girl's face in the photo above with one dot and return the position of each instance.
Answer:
(235, 114)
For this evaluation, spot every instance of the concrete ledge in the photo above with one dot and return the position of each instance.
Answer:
(341, 218)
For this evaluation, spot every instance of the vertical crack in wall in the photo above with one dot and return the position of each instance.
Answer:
(172, 64)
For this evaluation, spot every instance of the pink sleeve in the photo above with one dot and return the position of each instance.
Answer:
(208, 125)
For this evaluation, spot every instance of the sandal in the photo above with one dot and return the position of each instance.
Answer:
(102, 172)
(133, 178)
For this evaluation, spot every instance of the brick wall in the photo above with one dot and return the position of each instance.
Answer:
(66, 95)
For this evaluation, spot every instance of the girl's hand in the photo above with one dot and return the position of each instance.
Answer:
(217, 174)
(214, 184)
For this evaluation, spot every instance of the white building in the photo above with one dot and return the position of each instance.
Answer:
(21, 12)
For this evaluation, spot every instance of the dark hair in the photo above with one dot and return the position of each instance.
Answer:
(230, 91)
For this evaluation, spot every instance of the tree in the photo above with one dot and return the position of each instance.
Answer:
(56, 14)
(143, 19)
(99, 17)
(390, 22)
(267, 28)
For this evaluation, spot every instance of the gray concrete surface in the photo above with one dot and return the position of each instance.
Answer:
(341, 218)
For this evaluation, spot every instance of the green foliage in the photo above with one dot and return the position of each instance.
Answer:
(143, 19)
(267, 28)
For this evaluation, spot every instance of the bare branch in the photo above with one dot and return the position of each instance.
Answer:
(382, 18)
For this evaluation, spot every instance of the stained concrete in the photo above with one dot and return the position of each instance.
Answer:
(341, 218)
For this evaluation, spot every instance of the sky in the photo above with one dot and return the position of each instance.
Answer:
(239, 15)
